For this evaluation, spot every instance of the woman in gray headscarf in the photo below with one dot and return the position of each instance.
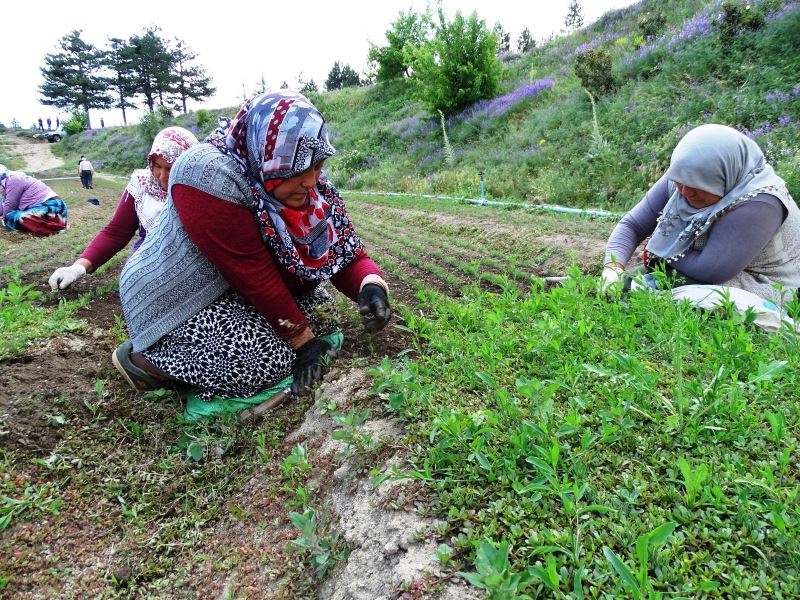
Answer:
(719, 215)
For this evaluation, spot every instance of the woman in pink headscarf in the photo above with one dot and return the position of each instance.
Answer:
(141, 203)
(28, 205)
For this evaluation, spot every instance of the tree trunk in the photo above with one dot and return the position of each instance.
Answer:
(122, 106)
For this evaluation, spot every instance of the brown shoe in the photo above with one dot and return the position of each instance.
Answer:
(138, 379)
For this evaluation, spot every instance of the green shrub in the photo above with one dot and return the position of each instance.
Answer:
(154, 122)
(203, 119)
(79, 121)
(459, 67)
(593, 68)
(738, 17)
(652, 24)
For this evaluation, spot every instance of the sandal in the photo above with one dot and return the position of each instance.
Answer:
(139, 380)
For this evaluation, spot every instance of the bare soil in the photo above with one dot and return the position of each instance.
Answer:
(37, 153)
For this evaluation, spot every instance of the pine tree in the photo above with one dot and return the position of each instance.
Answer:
(341, 76)
(190, 81)
(306, 87)
(151, 67)
(525, 42)
(72, 78)
(503, 39)
(119, 60)
(574, 18)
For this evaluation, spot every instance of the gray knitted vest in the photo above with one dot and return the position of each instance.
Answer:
(168, 280)
(778, 261)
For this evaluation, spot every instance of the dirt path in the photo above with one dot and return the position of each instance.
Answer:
(36, 153)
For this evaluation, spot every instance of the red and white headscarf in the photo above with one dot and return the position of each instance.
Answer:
(273, 137)
(147, 193)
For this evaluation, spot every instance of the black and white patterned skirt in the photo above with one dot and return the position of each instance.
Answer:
(229, 350)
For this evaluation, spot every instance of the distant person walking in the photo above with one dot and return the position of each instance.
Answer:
(49, 124)
(41, 125)
(57, 122)
(85, 170)
(102, 123)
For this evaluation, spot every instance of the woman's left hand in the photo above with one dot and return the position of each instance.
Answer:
(373, 306)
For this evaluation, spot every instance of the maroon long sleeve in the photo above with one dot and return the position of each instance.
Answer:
(228, 236)
(115, 235)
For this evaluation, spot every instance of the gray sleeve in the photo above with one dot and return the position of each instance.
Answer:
(734, 240)
(635, 226)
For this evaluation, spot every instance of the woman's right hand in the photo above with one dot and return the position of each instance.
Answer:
(612, 274)
(63, 277)
(309, 364)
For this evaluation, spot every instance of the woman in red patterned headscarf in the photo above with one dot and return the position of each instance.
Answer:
(225, 294)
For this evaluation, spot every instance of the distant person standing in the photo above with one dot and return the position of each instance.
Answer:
(49, 124)
(41, 125)
(57, 122)
(102, 123)
(85, 170)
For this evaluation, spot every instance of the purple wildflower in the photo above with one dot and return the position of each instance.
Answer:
(697, 26)
(498, 106)
(780, 13)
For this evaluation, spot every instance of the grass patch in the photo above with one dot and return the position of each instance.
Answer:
(567, 429)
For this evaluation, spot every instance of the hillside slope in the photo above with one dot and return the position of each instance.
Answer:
(538, 141)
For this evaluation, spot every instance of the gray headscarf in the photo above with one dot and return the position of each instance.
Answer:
(715, 159)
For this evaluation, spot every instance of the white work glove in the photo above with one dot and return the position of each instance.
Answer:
(612, 275)
(63, 277)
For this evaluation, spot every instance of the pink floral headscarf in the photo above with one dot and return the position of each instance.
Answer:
(149, 196)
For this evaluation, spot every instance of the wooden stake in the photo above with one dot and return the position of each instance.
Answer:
(256, 412)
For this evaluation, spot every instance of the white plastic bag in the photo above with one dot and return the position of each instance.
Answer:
(770, 315)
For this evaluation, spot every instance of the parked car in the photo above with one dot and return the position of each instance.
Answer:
(52, 136)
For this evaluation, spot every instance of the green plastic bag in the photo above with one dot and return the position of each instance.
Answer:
(200, 409)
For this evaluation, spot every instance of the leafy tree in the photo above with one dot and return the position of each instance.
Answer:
(190, 81)
(409, 31)
(574, 18)
(341, 76)
(72, 77)
(503, 39)
(525, 42)
(459, 66)
(119, 59)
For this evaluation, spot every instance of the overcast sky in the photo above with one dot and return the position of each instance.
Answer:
(278, 40)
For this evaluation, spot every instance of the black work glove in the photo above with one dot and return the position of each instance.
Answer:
(373, 306)
(309, 364)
